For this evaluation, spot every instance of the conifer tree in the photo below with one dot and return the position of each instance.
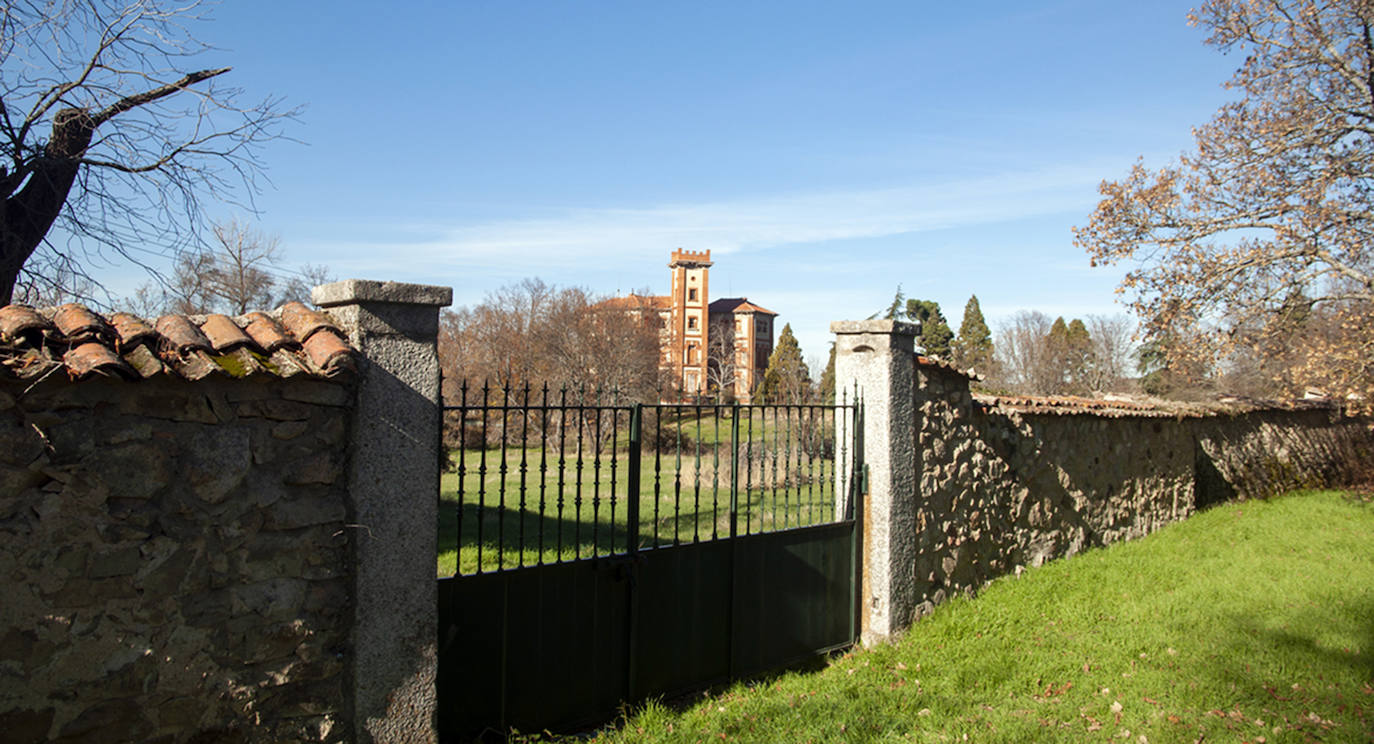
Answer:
(787, 379)
(898, 306)
(827, 384)
(1078, 354)
(935, 332)
(973, 348)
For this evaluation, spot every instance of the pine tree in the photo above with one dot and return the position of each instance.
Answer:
(787, 379)
(1078, 354)
(895, 310)
(827, 384)
(973, 348)
(935, 332)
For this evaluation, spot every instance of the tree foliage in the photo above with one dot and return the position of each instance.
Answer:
(935, 333)
(105, 133)
(1276, 202)
(535, 333)
(787, 380)
(826, 386)
(1052, 357)
(973, 347)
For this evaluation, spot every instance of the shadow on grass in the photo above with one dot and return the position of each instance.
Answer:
(1316, 685)
(514, 537)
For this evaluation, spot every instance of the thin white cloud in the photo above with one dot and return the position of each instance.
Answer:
(567, 238)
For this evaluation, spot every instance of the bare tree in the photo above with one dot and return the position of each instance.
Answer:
(1112, 352)
(241, 272)
(188, 289)
(1276, 202)
(105, 134)
(306, 278)
(722, 362)
(1024, 361)
(533, 333)
(240, 275)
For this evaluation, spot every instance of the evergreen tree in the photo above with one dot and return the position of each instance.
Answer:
(787, 379)
(973, 347)
(935, 332)
(827, 384)
(898, 306)
(1077, 355)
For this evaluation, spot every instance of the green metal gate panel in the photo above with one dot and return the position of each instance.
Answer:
(532, 648)
(793, 596)
(552, 647)
(760, 578)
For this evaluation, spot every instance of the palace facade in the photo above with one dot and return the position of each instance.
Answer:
(709, 347)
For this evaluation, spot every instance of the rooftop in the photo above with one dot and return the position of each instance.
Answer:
(287, 342)
(737, 305)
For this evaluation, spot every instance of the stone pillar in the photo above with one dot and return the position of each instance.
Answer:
(877, 357)
(394, 488)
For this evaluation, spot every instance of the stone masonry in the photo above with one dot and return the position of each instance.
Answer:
(175, 560)
(1001, 484)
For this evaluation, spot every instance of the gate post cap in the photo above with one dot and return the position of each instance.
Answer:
(894, 327)
(355, 291)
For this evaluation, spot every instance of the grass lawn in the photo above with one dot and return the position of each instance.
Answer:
(1250, 622)
(683, 496)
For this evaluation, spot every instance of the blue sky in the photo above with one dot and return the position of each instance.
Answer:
(824, 152)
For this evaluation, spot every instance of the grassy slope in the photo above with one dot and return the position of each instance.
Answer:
(1249, 622)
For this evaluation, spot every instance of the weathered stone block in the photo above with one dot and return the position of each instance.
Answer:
(318, 392)
(289, 429)
(319, 468)
(290, 514)
(24, 726)
(275, 409)
(275, 599)
(122, 561)
(107, 721)
(215, 461)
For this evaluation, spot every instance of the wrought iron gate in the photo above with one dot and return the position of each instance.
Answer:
(608, 553)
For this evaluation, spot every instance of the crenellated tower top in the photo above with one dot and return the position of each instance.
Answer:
(690, 259)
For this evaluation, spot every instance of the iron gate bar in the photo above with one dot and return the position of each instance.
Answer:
(784, 462)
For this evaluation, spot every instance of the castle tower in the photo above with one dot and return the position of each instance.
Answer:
(689, 319)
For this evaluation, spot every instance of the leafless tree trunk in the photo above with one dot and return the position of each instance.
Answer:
(104, 134)
(239, 275)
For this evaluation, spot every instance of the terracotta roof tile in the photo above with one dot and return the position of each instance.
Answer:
(937, 363)
(132, 330)
(21, 320)
(737, 305)
(302, 322)
(637, 302)
(79, 324)
(326, 350)
(95, 358)
(181, 335)
(223, 334)
(268, 333)
(1122, 407)
(125, 346)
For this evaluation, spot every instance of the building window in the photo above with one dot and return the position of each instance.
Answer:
(692, 294)
(692, 322)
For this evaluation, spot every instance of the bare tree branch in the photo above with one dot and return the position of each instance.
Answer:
(123, 165)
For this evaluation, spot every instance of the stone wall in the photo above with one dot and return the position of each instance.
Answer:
(1006, 486)
(963, 488)
(176, 557)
